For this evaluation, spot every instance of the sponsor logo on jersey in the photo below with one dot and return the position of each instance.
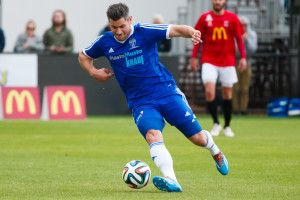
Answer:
(140, 116)
(226, 23)
(209, 20)
(134, 61)
(138, 60)
(187, 114)
(219, 32)
(111, 50)
(132, 43)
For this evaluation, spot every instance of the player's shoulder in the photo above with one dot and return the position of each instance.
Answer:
(152, 26)
(231, 14)
(207, 13)
(107, 36)
(206, 16)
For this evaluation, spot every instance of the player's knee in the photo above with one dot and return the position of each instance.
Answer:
(153, 136)
(199, 139)
(210, 95)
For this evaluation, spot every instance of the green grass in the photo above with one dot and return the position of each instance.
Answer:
(85, 159)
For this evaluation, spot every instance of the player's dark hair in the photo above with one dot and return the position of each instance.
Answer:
(117, 11)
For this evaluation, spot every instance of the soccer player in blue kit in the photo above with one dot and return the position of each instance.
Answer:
(150, 89)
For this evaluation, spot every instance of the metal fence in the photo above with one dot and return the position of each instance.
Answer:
(273, 75)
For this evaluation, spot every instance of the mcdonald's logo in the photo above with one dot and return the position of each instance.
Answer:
(64, 102)
(20, 103)
(218, 32)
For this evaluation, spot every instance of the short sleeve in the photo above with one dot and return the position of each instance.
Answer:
(155, 32)
(94, 50)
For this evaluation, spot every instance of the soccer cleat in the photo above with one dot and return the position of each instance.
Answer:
(166, 184)
(228, 132)
(221, 163)
(215, 131)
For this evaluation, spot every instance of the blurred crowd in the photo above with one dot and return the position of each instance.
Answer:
(58, 39)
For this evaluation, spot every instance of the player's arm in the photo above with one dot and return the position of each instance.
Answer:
(100, 75)
(186, 32)
(240, 43)
(194, 60)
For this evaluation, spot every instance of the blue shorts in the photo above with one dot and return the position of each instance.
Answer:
(174, 109)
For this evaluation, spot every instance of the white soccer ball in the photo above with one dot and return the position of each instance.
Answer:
(136, 174)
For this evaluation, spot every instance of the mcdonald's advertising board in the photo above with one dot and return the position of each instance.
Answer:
(64, 102)
(20, 103)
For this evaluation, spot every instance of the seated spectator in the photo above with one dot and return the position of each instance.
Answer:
(2, 40)
(58, 39)
(163, 45)
(29, 42)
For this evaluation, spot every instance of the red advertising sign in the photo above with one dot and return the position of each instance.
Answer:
(20, 102)
(64, 102)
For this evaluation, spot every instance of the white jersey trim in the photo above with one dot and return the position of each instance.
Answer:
(159, 27)
(83, 51)
(92, 44)
(168, 32)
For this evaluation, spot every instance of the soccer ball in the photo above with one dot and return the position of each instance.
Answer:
(136, 174)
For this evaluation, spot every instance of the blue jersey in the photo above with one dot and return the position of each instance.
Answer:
(135, 62)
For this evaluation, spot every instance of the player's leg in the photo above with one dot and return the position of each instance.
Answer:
(205, 140)
(150, 123)
(163, 160)
(227, 77)
(179, 114)
(209, 77)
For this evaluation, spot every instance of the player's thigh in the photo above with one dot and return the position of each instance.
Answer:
(209, 73)
(178, 113)
(227, 76)
(148, 117)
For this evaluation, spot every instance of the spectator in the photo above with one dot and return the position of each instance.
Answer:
(58, 38)
(240, 96)
(2, 40)
(104, 30)
(163, 45)
(29, 42)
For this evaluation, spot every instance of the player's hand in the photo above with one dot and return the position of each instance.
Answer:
(196, 37)
(195, 65)
(102, 74)
(245, 36)
(242, 64)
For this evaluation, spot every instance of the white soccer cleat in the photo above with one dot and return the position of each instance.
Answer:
(228, 132)
(215, 131)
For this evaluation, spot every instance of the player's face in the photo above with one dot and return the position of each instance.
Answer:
(121, 28)
(218, 5)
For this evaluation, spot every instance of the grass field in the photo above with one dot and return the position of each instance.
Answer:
(85, 159)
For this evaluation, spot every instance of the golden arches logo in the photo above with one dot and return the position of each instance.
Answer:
(218, 32)
(20, 101)
(65, 102)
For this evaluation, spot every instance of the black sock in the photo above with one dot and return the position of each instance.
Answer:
(213, 109)
(227, 109)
